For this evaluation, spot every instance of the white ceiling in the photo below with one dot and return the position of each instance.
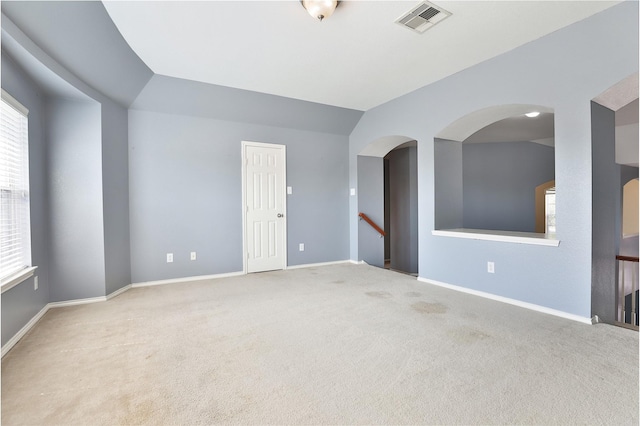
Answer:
(518, 128)
(358, 58)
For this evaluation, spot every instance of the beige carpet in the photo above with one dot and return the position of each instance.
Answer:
(342, 344)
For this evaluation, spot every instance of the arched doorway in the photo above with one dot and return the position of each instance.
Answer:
(388, 198)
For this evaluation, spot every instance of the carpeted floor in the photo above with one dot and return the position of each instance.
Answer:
(341, 344)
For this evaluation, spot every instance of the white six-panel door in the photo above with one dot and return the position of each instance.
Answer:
(265, 205)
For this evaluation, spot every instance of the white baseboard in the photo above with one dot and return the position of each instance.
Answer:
(313, 265)
(118, 292)
(357, 262)
(20, 334)
(187, 279)
(65, 303)
(514, 302)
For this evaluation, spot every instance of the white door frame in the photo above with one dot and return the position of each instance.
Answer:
(245, 251)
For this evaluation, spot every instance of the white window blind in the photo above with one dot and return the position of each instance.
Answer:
(15, 234)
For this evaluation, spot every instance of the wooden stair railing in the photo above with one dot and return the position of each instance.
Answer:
(627, 309)
(373, 224)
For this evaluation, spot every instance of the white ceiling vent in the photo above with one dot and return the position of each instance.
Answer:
(422, 17)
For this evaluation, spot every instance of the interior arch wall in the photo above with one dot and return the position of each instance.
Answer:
(370, 195)
(560, 71)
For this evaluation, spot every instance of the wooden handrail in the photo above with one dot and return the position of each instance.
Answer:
(372, 223)
(627, 258)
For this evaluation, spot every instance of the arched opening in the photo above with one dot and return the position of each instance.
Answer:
(545, 207)
(488, 165)
(388, 196)
(614, 153)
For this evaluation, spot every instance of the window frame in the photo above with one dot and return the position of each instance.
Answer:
(20, 274)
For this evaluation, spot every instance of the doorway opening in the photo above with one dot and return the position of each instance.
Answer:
(388, 199)
(401, 209)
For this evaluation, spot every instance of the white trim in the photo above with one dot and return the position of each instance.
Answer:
(514, 302)
(313, 265)
(20, 334)
(75, 302)
(15, 104)
(502, 236)
(15, 279)
(118, 292)
(243, 145)
(187, 279)
(357, 262)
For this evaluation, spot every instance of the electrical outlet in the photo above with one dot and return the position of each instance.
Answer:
(35, 283)
(193, 255)
(169, 257)
(301, 247)
(353, 191)
(491, 267)
(289, 190)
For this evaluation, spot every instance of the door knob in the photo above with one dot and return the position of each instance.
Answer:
(280, 215)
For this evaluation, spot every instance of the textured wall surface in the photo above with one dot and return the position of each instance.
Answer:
(76, 246)
(371, 203)
(403, 180)
(499, 182)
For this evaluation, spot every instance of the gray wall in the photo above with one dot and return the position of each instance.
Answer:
(403, 180)
(185, 187)
(607, 202)
(559, 71)
(63, 29)
(76, 246)
(371, 203)
(115, 196)
(499, 181)
(448, 184)
(195, 99)
(78, 155)
(22, 302)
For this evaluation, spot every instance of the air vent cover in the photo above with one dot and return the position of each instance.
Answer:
(422, 17)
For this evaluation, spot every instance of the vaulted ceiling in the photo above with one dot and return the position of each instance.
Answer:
(256, 55)
(358, 58)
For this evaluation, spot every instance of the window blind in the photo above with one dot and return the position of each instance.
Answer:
(15, 234)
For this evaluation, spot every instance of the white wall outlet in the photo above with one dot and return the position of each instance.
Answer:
(289, 190)
(35, 283)
(193, 255)
(301, 247)
(491, 267)
(169, 257)
(353, 191)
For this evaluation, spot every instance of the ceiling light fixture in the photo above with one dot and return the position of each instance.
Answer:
(532, 114)
(320, 9)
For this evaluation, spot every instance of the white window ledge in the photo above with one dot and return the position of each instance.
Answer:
(503, 236)
(15, 279)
